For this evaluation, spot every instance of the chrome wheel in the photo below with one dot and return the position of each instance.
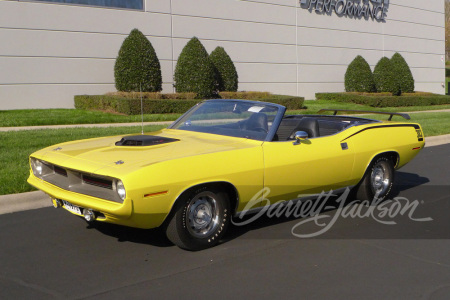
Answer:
(377, 181)
(202, 215)
(381, 179)
(200, 218)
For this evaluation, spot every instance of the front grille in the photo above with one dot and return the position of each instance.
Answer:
(79, 182)
(104, 183)
(60, 171)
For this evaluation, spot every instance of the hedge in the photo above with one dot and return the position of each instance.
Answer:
(137, 66)
(132, 106)
(385, 77)
(226, 74)
(359, 77)
(117, 102)
(194, 71)
(403, 73)
(447, 72)
(386, 99)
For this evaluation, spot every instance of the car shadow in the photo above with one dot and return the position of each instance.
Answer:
(403, 181)
(156, 237)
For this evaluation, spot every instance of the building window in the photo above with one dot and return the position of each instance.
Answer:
(126, 4)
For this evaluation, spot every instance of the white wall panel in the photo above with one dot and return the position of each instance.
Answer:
(46, 70)
(236, 10)
(35, 15)
(47, 95)
(433, 87)
(409, 14)
(51, 52)
(433, 5)
(162, 6)
(216, 29)
(71, 44)
(248, 52)
(291, 3)
(271, 73)
(321, 73)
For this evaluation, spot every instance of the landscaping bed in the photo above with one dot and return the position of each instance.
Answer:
(386, 99)
(158, 103)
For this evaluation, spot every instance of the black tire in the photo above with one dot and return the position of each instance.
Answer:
(200, 219)
(377, 181)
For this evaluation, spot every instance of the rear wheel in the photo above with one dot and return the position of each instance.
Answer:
(200, 220)
(378, 180)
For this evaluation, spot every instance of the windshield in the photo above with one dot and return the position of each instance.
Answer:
(252, 120)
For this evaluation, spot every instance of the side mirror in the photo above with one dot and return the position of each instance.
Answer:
(299, 136)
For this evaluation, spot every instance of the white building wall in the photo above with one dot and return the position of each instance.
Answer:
(51, 52)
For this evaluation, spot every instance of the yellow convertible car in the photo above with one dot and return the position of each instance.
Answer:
(193, 177)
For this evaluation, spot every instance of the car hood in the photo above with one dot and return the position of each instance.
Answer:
(94, 154)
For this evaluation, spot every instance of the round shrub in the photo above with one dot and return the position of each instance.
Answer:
(194, 71)
(359, 77)
(226, 75)
(385, 77)
(403, 73)
(137, 65)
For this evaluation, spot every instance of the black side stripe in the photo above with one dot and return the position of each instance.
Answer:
(383, 126)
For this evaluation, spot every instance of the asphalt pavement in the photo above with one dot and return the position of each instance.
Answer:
(48, 253)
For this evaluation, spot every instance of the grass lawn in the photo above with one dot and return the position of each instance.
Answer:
(432, 123)
(313, 106)
(16, 146)
(20, 144)
(35, 117)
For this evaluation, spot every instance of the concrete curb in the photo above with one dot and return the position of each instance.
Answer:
(437, 140)
(25, 201)
(34, 200)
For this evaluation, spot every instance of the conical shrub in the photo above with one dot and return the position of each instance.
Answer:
(194, 71)
(226, 74)
(359, 77)
(403, 73)
(385, 77)
(137, 65)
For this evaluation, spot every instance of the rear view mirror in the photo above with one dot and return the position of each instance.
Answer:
(299, 136)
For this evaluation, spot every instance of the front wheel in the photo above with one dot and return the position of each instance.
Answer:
(377, 182)
(200, 219)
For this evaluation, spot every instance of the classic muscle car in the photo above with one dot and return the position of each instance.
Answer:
(193, 177)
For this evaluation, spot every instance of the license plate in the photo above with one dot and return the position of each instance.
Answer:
(72, 208)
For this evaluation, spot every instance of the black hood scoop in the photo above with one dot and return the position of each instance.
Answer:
(144, 140)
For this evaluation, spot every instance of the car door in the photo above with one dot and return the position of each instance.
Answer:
(315, 165)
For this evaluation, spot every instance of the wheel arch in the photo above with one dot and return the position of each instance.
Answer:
(226, 186)
(394, 156)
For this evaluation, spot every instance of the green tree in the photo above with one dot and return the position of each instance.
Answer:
(194, 71)
(359, 77)
(403, 73)
(226, 74)
(385, 77)
(137, 66)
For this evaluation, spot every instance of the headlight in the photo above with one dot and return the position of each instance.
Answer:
(37, 166)
(120, 189)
